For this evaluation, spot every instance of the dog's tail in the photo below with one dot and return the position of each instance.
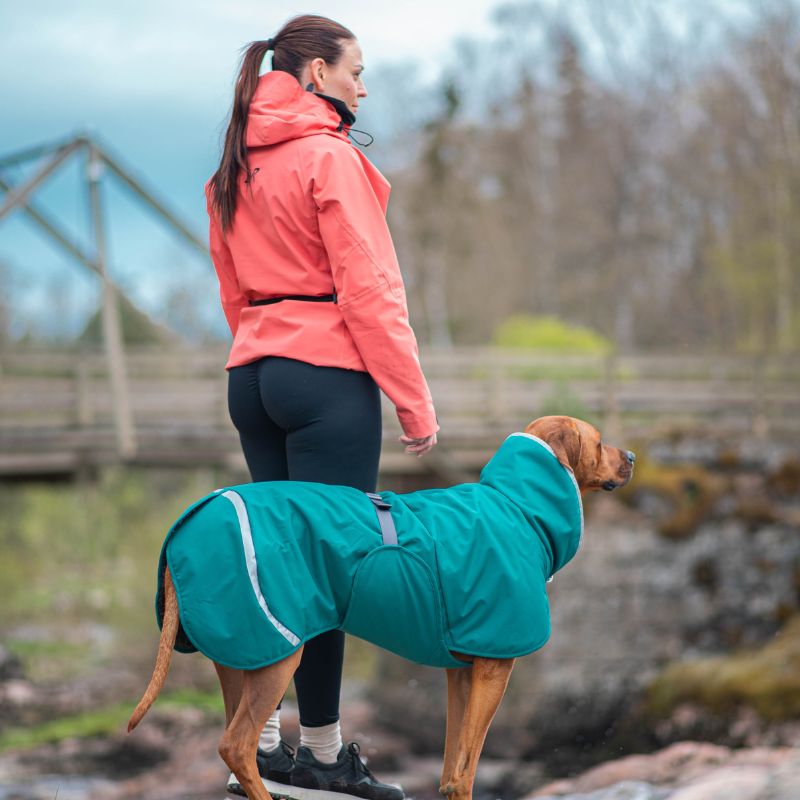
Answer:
(169, 630)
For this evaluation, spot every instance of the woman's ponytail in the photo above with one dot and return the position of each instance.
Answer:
(224, 182)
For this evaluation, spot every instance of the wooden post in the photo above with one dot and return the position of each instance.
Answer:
(498, 400)
(112, 328)
(758, 417)
(612, 427)
(83, 392)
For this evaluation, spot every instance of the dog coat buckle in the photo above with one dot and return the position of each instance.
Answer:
(388, 530)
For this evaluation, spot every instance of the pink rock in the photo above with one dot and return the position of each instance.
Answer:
(17, 692)
(763, 756)
(674, 765)
(555, 788)
(730, 783)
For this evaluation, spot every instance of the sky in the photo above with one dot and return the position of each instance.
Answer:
(152, 81)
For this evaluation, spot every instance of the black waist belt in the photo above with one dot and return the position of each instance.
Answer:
(388, 531)
(308, 298)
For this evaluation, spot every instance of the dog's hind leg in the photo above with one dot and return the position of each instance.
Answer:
(458, 683)
(261, 691)
(487, 687)
(230, 681)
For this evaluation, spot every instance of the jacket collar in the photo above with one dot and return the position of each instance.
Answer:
(346, 115)
(527, 472)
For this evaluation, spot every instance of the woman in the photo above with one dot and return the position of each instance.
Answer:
(313, 295)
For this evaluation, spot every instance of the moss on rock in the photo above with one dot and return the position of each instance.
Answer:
(680, 497)
(767, 680)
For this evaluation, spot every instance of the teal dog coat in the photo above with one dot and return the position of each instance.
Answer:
(261, 568)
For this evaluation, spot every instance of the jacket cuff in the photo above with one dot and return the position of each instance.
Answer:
(418, 426)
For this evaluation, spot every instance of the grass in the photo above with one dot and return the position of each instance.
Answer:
(101, 722)
(87, 552)
(105, 721)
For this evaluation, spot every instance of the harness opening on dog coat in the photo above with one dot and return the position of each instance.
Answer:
(261, 568)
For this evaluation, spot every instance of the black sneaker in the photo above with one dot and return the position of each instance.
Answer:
(274, 767)
(347, 777)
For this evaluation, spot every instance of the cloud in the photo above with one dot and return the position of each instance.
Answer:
(160, 49)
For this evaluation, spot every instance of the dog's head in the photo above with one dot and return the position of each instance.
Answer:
(578, 446)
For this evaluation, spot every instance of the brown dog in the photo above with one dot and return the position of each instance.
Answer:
(474, 693)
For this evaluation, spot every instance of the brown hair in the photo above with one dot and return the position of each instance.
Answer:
(299, 41)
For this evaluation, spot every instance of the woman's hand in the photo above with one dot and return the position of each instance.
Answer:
(418, 447)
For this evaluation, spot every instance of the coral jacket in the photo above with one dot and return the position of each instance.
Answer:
(312, 221)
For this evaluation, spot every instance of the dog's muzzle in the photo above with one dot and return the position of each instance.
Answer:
(609, 486)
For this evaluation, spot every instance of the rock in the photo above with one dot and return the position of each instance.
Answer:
(16, 693)
(419, 777)
(10, 665)
(627, 790)
(670, 766)
(687, 771)
(731, 783)
(785, 783)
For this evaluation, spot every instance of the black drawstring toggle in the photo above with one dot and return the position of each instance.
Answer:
(363, 144)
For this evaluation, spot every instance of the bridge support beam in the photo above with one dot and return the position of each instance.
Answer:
(112, 326)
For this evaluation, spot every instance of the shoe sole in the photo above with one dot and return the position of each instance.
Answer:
(301, 793)
(279, 791)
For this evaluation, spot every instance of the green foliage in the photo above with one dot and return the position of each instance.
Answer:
(209, 702)
(549, 334)
(87, 550)
(137, 328)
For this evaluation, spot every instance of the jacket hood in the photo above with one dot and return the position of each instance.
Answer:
(527, 472)
(281, 110)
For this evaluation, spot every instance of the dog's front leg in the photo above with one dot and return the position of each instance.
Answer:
(458, 683)
(261, 692)
(487, 687)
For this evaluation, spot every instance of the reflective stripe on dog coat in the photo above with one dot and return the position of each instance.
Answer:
(263, 567)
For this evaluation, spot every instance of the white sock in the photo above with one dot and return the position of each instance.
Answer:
(270, 737)
(325, 742)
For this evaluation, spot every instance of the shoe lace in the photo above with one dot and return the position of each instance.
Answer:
(288, 749)
(355, 752)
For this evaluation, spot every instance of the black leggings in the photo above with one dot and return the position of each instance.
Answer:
(300, 422)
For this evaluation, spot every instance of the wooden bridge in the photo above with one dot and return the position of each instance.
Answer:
(57, 416)
(64, 411)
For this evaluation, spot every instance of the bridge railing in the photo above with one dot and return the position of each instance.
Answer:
(49, 397)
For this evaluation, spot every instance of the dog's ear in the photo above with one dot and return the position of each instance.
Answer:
(563, 436)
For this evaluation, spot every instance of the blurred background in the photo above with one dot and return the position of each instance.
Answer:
(595, 206)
